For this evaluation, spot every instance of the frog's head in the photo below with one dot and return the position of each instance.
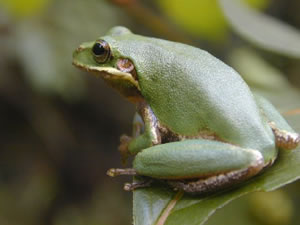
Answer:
(102, 58)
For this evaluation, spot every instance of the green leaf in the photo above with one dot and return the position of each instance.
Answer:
(259, 208)
(262, 30)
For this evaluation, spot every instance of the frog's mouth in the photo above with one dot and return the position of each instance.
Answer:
(122, 78)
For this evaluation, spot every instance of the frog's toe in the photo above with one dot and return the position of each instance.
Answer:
(113, 172)
(136, 185)
(286, 139)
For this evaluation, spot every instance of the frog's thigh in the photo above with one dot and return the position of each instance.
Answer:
(199, 159)
(286, 137)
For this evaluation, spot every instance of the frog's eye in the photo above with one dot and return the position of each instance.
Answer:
(101, 51)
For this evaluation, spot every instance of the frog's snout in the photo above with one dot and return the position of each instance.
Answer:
(79, 49)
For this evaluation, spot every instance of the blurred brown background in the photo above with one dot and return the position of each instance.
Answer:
(60, 127)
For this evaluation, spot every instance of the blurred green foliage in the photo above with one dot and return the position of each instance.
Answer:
(20, 8)
(261, 208)
(44, 43)
(264, 208)
(262, 30)
(61, 128)
(202, 18)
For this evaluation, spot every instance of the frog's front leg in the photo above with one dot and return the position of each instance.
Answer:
(145, 132)
(138, 127)
(151, 135)
(198, 165)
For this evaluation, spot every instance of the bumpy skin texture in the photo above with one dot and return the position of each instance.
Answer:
(201, 93)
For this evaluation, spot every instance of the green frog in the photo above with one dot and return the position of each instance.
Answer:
(198, 126)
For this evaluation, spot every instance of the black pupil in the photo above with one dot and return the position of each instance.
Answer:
(98, 49)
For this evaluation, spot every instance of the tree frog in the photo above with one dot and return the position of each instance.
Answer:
(198, 126)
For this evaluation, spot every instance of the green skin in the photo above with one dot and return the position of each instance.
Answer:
(198, 125)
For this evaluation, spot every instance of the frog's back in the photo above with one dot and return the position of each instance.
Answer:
(190, 91)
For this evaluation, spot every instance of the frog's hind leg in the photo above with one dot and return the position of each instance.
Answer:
(194, 165)
(213, 183)
(285, 136)
(199, 166)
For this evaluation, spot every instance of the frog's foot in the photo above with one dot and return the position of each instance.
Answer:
(131, 172)
(285, 139)
(123, 148)
(135, 185)
(113, 172)
(216, 182)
